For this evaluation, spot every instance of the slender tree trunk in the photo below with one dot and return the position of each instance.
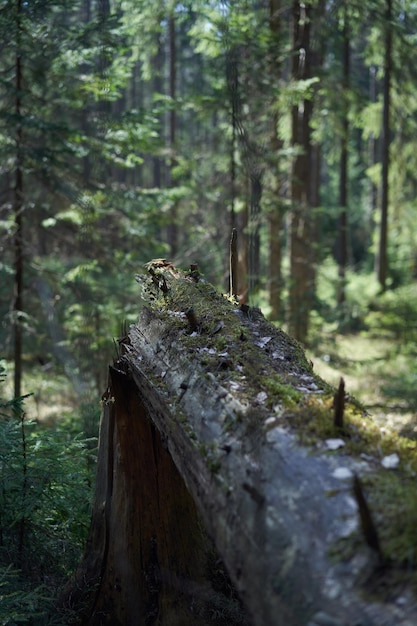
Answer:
(254, 242)
(314, 203)
(18, 208)
(343, 191)
(242, 227)
(300, 223)
(60, 348)
(275, 259)
(157, 64)
(173, 227)
(239, 221)
(140, 175)
(383, 233)
(85, 125)
(102, 170)
(275, 216)
(232, 77)
(373, 150)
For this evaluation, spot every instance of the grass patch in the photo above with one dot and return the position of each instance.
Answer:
(376, 372)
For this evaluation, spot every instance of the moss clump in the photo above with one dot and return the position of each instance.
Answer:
(313, 419)
(392, 497)
(281, 391)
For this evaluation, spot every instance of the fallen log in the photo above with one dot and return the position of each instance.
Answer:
(219, 450)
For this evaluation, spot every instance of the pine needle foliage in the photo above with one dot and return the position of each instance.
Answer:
(45, 487)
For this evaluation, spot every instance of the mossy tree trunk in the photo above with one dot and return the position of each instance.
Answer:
(198, 439)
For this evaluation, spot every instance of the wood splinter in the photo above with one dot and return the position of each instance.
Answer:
(339, 405)
(192, 319)
(194, 272)
(369, 530)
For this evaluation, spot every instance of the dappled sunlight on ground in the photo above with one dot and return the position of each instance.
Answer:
(368, 366)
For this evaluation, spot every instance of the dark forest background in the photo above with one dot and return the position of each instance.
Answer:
(132, 130)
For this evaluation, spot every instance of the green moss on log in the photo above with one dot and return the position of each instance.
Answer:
(231, 344)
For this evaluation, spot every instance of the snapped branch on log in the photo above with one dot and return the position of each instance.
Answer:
(251, 432)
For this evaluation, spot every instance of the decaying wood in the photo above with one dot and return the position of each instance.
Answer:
(339, 405)
(196, 429)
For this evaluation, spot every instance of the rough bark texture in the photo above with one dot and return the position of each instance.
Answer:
(196, 427)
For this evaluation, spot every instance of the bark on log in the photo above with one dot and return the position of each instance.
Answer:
(196, 425)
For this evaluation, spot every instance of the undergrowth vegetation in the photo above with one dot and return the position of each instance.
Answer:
(370, 340)
(46, 479)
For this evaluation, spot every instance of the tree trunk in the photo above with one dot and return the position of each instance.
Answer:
(232, 80)
(102, 170)
(275, 259)
(18, 213)
(238, 221)
(300, 223)
(172, 130)
(254, 271)
(198, 431)
(373, 156)
(383, 229)
(275, 218)
(59, 345)
(86, 110)
(343, 183)
(157, 88)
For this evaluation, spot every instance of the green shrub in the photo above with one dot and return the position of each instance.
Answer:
(360, 290)
(45, 490)
(395, 313)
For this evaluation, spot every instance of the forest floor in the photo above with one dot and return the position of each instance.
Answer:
(376, 372)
